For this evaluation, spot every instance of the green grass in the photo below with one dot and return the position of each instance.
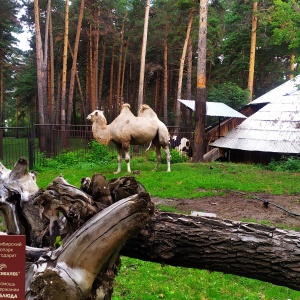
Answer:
(140, 280)
(187, 180)
(144, 280)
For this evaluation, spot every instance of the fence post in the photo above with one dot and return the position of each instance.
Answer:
(31, 147)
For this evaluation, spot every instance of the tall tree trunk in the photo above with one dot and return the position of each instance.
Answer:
(200, 103)
(119, 75)
(46, 64)
(77, 79)
(123, 70)
(165, 99)
(143, 56)
(157, 107)
(58, 98)
(1, 90)
(100, 101)
(189, 82)
(94, 61)
(49, 106)
(64, 71)
(252, 50)
(42, 59)
(182, 60)
(111, 82)
(88, 95)
(74, 63)
(41, 69)
(53, 109)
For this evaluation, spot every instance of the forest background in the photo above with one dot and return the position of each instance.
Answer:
(98, 64)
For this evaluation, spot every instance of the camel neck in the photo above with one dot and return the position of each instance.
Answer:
(101, 133)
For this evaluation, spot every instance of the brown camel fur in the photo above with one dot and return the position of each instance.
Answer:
(128, 129)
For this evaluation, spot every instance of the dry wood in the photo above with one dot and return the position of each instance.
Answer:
(70, 271)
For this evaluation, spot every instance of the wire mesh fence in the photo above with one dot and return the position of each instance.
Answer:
(41, 142)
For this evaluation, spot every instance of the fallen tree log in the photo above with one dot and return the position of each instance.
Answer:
(246, 249)
(93, 231)
(95, 221)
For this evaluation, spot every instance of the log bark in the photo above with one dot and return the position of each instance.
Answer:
(245, 249)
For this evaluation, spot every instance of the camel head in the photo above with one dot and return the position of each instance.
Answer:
(97, 116)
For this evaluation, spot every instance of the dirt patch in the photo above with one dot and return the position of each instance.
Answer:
(260, 208)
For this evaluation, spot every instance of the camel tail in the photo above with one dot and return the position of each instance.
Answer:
(149, 146)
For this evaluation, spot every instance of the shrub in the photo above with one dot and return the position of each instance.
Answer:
(176, 157)
(288, 164)
(83, 158)
(98, 153)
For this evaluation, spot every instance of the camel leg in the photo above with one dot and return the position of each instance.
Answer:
(119, 160)
(158, 156)
(126, 148)
(168, 157)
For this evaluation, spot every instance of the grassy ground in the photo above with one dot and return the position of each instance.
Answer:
(143, 280)
(139, 280)
(186, 179)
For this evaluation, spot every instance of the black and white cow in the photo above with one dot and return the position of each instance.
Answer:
(182, 145)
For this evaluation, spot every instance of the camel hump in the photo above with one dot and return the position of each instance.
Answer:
(147, 111)
(126, 105)
(143, 108)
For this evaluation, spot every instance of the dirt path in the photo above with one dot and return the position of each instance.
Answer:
(243, 207)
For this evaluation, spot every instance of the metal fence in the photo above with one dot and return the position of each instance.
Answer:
(39, 142)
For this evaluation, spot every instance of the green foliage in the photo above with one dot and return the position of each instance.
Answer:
(286, 164)
(285, 20)
(176, 157)
(81, 158)
(58, 242)
(229, 93)
(98, 153)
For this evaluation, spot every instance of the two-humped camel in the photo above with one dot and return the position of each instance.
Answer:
(127, 129)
